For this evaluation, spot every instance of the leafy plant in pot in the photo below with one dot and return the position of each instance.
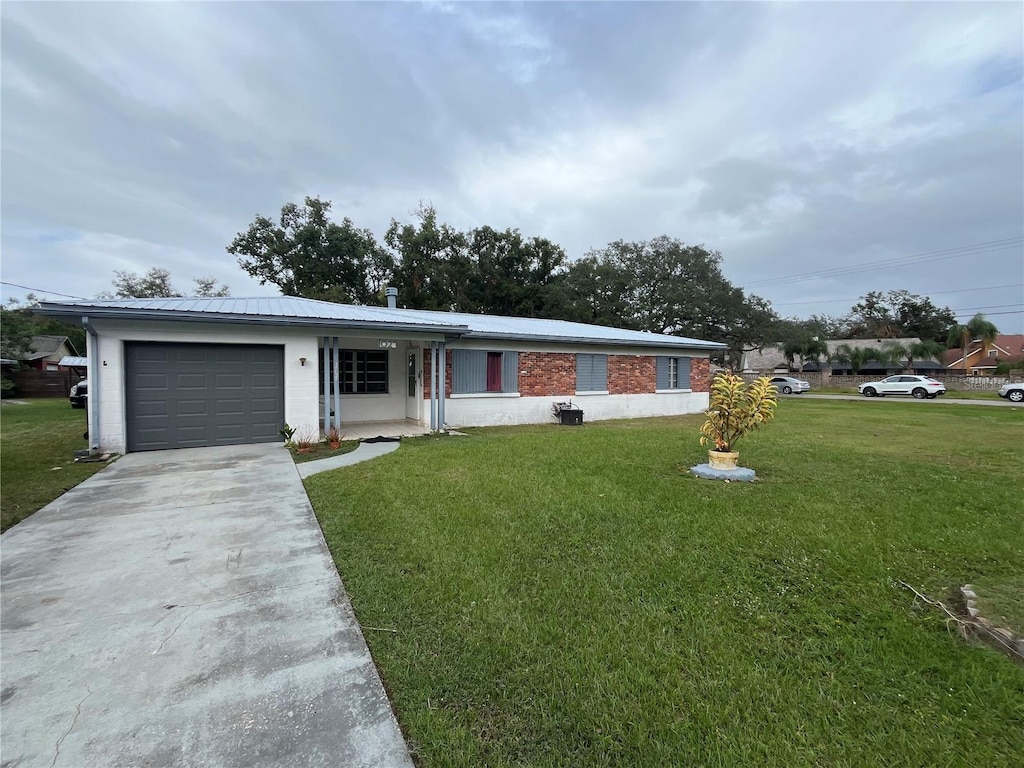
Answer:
(736, 409)
(333, 438)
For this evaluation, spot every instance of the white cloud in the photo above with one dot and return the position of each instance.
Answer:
(782, 134)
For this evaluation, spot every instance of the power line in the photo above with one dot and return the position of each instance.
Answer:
(989, 306)
(920, 293)
(976, 249)
(40, 290)
(1013, 312)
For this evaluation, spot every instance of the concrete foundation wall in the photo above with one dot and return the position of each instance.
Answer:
(489, 411)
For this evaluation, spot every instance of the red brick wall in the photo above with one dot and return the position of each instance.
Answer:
(543, 374)
(700, 374)
(447, 373)
(632, 374)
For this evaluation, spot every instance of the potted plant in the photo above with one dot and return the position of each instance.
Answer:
(333, 438)
(735, 410)
(304, 439)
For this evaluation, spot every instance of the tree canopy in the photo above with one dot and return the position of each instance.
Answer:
(895, 314)
(156, 284)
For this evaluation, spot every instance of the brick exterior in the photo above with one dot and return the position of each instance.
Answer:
(700, 374)
(545, 374)
(447, 373)
(548, 374)
(632, 374)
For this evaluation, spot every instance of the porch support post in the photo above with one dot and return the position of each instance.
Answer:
(326, 354)
(337, 386)
(433, 386)
(442, 369)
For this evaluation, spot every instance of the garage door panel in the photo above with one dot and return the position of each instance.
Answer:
(187, 381)
(266, 381)
(231, 355)
(151, 408)
(263, 406)
(152, 354)
(229, 408)
(185, 355)
(157, 381)
(229, 380)
(190, 395)
(192, 408)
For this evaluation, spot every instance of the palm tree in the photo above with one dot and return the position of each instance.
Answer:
(808, 350)
(977, 328)
(855, 357)
(925, 349)
(894, 352)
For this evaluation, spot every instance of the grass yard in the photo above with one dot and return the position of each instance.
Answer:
(34, 439)
(567, 597)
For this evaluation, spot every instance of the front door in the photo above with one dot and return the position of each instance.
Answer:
(412, 386)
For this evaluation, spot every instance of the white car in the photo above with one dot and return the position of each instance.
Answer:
(787, 385)
(917, 386)
(1012, 392)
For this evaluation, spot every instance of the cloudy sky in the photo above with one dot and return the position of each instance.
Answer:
(825, 149)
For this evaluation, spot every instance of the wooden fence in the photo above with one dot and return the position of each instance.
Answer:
(32, 383)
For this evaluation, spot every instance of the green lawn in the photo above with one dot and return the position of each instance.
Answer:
(568, 597)
(37, 445)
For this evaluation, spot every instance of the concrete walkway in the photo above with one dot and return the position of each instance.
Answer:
(180, 608)
(363, 452)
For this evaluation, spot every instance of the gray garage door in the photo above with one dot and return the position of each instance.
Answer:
(191, 395)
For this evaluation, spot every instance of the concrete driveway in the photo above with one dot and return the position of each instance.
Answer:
(181, 608)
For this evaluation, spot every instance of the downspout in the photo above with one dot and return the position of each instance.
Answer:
(92, 413)
(326, 355)
(433, 386)
(335, 350)
(441, 373)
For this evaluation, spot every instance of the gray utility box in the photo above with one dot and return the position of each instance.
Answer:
(568, 414)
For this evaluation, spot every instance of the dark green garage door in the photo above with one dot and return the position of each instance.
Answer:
(191, 395)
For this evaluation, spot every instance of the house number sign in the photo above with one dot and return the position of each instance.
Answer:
(387, 344)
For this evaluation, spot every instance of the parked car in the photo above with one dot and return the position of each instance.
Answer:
(918, 386)
(787, 385)
(1013, 392)
(79, 395)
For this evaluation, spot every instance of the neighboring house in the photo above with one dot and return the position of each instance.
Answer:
(771, 360)
(982, 358)
(185, 372)
(47, 351)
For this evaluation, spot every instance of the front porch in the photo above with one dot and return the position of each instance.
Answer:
(369, 429)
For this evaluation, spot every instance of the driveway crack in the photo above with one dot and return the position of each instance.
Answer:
(74, 721)
(185, 618)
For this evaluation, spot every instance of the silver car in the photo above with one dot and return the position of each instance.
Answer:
(1012, 392)
(918, 386)
(787, 385)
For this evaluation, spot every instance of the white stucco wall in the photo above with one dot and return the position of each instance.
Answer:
(477, 411)
(107, 368)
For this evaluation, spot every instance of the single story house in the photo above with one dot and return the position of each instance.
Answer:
(47, 352)
(186, 372)
(984, 356)
(771, 360)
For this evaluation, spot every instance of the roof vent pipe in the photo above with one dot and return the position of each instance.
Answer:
(392, 294)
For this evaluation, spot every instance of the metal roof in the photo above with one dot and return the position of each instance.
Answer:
(292, 310)
(74, 362)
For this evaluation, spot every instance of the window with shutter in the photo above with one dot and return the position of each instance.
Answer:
(477, 372)
(673, 373)
(591, 373)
